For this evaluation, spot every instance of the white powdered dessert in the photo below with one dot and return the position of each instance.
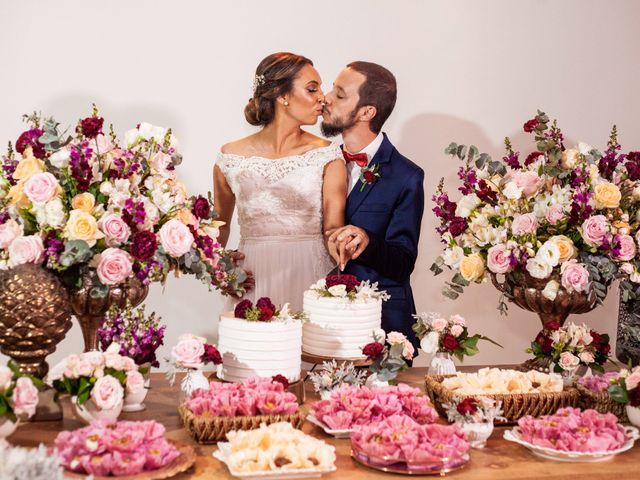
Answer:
(341, 321)
(251, 348)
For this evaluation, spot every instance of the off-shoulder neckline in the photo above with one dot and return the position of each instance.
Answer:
(258, 157)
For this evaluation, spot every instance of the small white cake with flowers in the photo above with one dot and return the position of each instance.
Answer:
(260, 341)
(344, 315)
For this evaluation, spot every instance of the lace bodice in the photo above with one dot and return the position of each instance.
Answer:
(276, 197)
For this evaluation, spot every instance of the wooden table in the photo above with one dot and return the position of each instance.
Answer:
(499, 460)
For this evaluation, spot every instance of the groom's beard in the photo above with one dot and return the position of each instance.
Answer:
(333, 127)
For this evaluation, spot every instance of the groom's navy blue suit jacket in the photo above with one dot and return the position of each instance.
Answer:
(390, 210)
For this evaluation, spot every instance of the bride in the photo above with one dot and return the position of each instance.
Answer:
(288, 185)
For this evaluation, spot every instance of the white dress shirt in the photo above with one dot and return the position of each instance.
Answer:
(353, 170)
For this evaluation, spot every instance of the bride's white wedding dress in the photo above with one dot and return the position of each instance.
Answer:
(279, 204)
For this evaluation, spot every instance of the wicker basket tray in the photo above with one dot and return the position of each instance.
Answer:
(602, 402)
(515, 406)
(213, 429)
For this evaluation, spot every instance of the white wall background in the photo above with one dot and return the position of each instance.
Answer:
(468, 71)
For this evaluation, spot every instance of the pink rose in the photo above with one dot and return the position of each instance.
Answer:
(396, 337)
(135, 381)
(6, 377)
(594, 230)
(408, 350)
(528, 181)
(457, 330)
(116, 231)
(83, 368)
(175, 237)
(439, 324)
(114, 360)
(574, 276)
(457, 319)
(41, 187)
(9, 231)
(568, 360)
(25, 397)
(114, 266)
(498, 259)
(554, 214)
(188, 352)
(524, 224)
(586, 357)
(27, 249)
(627, 248)
(107, 393)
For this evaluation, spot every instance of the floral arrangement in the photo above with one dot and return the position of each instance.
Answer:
(574, 430)
(625, 388)
(560, 215)
(102, 377)
(571, 346)
(265, 311)
(348, 286)
(474, 410)
(255, 396)
(123, 449)
(401, 439)
(496, 381)
(193, 353)
(333, 375)
(32, 463)
(388, 358)
(138, 335)
(18, 393)
(86, 204)
(279, 446)
(598, 383)
(349, 406)
(437, 334)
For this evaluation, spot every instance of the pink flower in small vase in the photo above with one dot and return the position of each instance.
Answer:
(107, 393)
(25, 397)
(188, 352)
(135, 382)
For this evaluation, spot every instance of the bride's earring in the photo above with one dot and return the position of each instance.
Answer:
(286, 103)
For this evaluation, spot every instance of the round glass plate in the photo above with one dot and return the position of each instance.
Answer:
(440, 468)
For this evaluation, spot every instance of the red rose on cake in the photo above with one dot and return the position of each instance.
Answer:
(349, 281)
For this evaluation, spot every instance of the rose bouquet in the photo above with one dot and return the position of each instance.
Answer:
(86, 204)
(138, 335)
(348, 286)
(265, 311)
(193, 353)
(474, 410)
(437, 334)
(333, 375)
(563, 216)
(18, 393)
(570, 346)
(123, 449)
(390, 357)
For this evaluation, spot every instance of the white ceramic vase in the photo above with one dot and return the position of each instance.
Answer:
(442, 364)
(193, 380)
(89, 411)
(569, 377)
(7, 427)
(374, 382)
(477, 433)
(133, 402)
(634, 415)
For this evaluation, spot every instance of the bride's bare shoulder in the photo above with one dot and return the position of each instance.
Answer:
(315, 141)
(243, 146)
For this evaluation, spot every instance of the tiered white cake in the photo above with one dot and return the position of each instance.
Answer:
(259, 349)
(338, 327)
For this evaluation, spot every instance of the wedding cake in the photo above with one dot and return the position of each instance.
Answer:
(258, 341)
(343, 316)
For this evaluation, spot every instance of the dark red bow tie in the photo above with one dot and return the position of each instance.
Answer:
(361, 159)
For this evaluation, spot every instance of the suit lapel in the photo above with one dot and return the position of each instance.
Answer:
(356, 197)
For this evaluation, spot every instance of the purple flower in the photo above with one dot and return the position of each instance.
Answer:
(30, 139)
(633, 165)
(469, 180)
(201, 207)
(133, 213)
(457, 226)
(144, 245)
(79, 165)
(4, 216)
(241, 308)
(9, 167)
(91, 127)
(512, 160)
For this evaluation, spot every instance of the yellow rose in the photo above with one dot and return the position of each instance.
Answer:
(83, 226)
(28, 166)
(607, 195)
(472, 267)
(84, 201)
(566, 247)
(17, 197)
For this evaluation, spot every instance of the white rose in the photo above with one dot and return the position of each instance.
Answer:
(512, 191)
(538, 268)
(550, 290)
(466, 204)
(549, 252)
(338, 290)
(60, 159)
(54, 213)
(586, 357)
(452, 257)
(429, 343)
(456, 330)
(319, 285)
(568, 361)
(570, 158)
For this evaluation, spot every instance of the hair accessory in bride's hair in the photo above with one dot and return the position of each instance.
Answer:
(257, 81)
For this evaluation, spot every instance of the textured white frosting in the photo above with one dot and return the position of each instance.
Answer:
(259, 349)
(338, 327)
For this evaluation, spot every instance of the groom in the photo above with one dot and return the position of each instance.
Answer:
(386, 197)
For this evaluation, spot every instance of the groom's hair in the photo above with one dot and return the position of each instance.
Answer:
(378, 90)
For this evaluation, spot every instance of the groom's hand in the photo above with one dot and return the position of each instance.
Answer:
(350, 241)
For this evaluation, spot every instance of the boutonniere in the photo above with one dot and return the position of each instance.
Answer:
(369, 175)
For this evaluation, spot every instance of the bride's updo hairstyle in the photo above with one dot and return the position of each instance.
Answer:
(274, 77)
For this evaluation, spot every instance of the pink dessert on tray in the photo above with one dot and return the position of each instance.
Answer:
(574, 430)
